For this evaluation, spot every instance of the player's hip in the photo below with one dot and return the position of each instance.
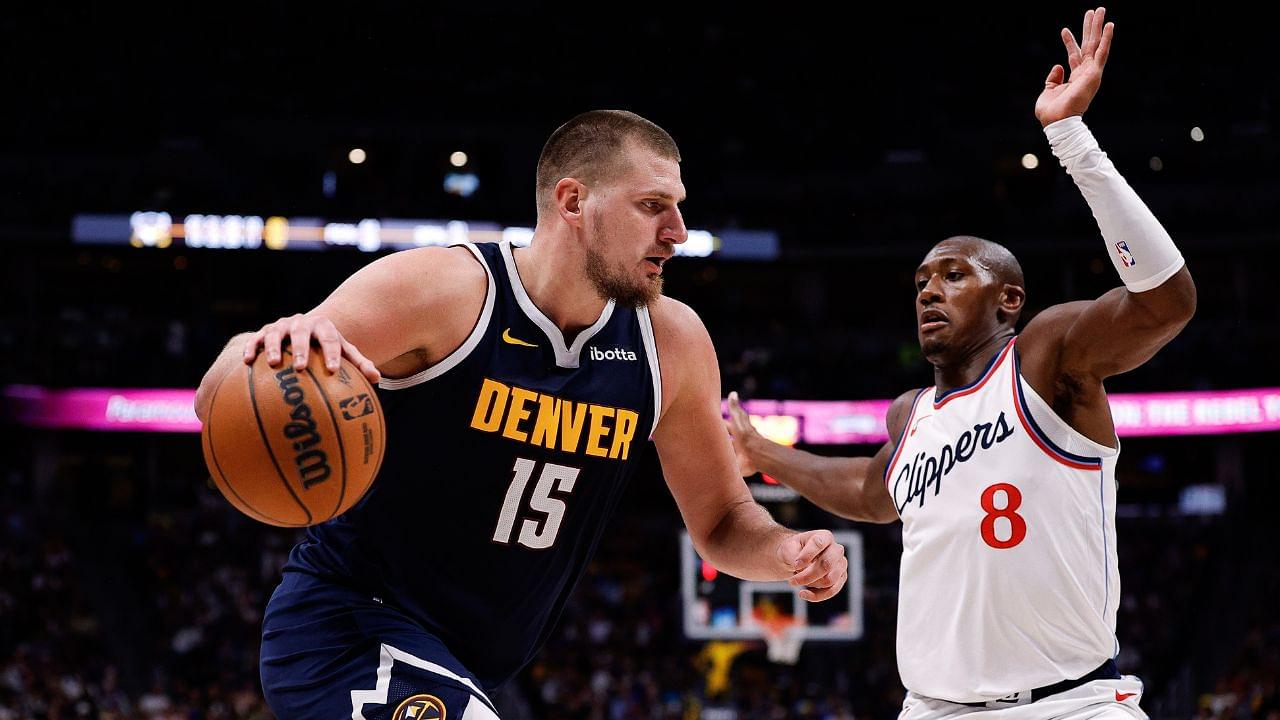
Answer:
(330, 651)
(1099, 699)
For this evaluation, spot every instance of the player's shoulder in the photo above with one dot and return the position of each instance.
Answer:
(438, 276)
(676, 327)
(899, 410)
(1050, 326)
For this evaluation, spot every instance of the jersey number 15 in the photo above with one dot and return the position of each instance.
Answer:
(535, 534)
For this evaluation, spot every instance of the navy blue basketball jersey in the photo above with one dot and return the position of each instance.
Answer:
(504, 462)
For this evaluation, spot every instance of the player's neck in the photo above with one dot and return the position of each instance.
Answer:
(564, 295)
(969, 363)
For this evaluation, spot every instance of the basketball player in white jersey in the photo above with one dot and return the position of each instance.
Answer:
(1002, 473)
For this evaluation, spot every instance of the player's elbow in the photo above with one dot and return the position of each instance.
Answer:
(1170, 306)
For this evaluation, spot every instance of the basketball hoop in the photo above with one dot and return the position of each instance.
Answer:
(783, 638)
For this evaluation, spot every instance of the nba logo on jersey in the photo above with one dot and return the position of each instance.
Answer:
(1126, 257)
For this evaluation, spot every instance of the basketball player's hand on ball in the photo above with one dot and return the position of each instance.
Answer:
(818, 564)
(299, 331)
(1063, 98)
(743, 434)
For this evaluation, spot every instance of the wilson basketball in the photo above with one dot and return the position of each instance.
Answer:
(292, 448)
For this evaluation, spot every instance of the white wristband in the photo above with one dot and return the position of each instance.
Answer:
(1141, 250)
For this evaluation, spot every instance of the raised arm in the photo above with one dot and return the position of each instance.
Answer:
(727, 526)
(394, 315)
(1085, 342)
(850, 487)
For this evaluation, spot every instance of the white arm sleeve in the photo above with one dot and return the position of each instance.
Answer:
(1139, 247)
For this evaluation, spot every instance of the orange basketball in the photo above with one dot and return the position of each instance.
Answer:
(294, 448)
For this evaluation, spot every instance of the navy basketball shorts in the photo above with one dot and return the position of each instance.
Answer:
(329, 652)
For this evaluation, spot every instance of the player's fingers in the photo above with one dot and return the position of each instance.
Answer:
(820, 594)
(330, 345)
(1087, 40)
(829, 562)
(736, 413)
(252, 345)
(1073, 50)
(814, 543)
(366, 365)
(300, 342)
(1055, 77)
(1104, 47)
(1099, 22)
(271, 339)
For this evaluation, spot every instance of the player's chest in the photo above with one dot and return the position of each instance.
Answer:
(949, 457)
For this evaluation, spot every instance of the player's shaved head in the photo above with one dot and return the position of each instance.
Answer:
(592, 146)
(990, 256)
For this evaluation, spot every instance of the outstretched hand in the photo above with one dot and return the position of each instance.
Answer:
(1063, 98)
(742, 432)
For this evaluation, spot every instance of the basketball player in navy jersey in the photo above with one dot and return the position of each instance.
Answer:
(1002, 473)
(519, 385)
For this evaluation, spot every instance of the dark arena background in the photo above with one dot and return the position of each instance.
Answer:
(169, 179)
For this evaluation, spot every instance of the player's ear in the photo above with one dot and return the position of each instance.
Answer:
(1012, 298)
(569, 194)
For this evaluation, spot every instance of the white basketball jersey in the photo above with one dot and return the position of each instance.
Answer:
(1009, 573)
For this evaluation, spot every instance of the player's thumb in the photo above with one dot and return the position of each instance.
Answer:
(1055, 77)
(789, 550)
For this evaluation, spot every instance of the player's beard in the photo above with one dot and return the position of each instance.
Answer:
(616, 283)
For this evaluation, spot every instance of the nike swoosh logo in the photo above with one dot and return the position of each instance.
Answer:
(1121, 697)
(506, 337)
(916, 427)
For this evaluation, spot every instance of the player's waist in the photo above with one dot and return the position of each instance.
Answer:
(1105, 671)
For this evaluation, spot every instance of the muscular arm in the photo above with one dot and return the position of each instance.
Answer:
(1092, 340)
(1070, 349)
(850, 487)
(727, 526)
(398, 313)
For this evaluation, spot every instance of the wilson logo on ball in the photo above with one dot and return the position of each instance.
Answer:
(313, 464)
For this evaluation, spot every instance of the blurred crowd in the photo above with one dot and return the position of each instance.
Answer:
(152, 611)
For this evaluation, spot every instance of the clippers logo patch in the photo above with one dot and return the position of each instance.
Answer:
(1126, 257)
(355, 407)
(420, 707)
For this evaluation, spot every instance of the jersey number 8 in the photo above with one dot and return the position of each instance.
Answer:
(1017, 525)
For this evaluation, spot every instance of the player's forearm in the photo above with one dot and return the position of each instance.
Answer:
(231, 356)
(1141, 250)
(832, 484)
(744, 543)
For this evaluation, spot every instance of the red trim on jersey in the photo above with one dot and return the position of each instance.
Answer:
(1034, 432)
(937, 404)
(902, 437)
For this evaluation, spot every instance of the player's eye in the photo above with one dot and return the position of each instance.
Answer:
(921, 283)
(653, 205)
(954, 275)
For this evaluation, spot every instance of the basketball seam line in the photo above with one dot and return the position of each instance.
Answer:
(337, 433)
(253, 400)
(213, 453)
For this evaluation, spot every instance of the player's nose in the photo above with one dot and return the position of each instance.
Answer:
(931, 292)
(673, 229)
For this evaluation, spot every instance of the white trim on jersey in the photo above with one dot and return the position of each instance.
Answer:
(655, 368)
(382, 688)
(457, 356)
(567, 356)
